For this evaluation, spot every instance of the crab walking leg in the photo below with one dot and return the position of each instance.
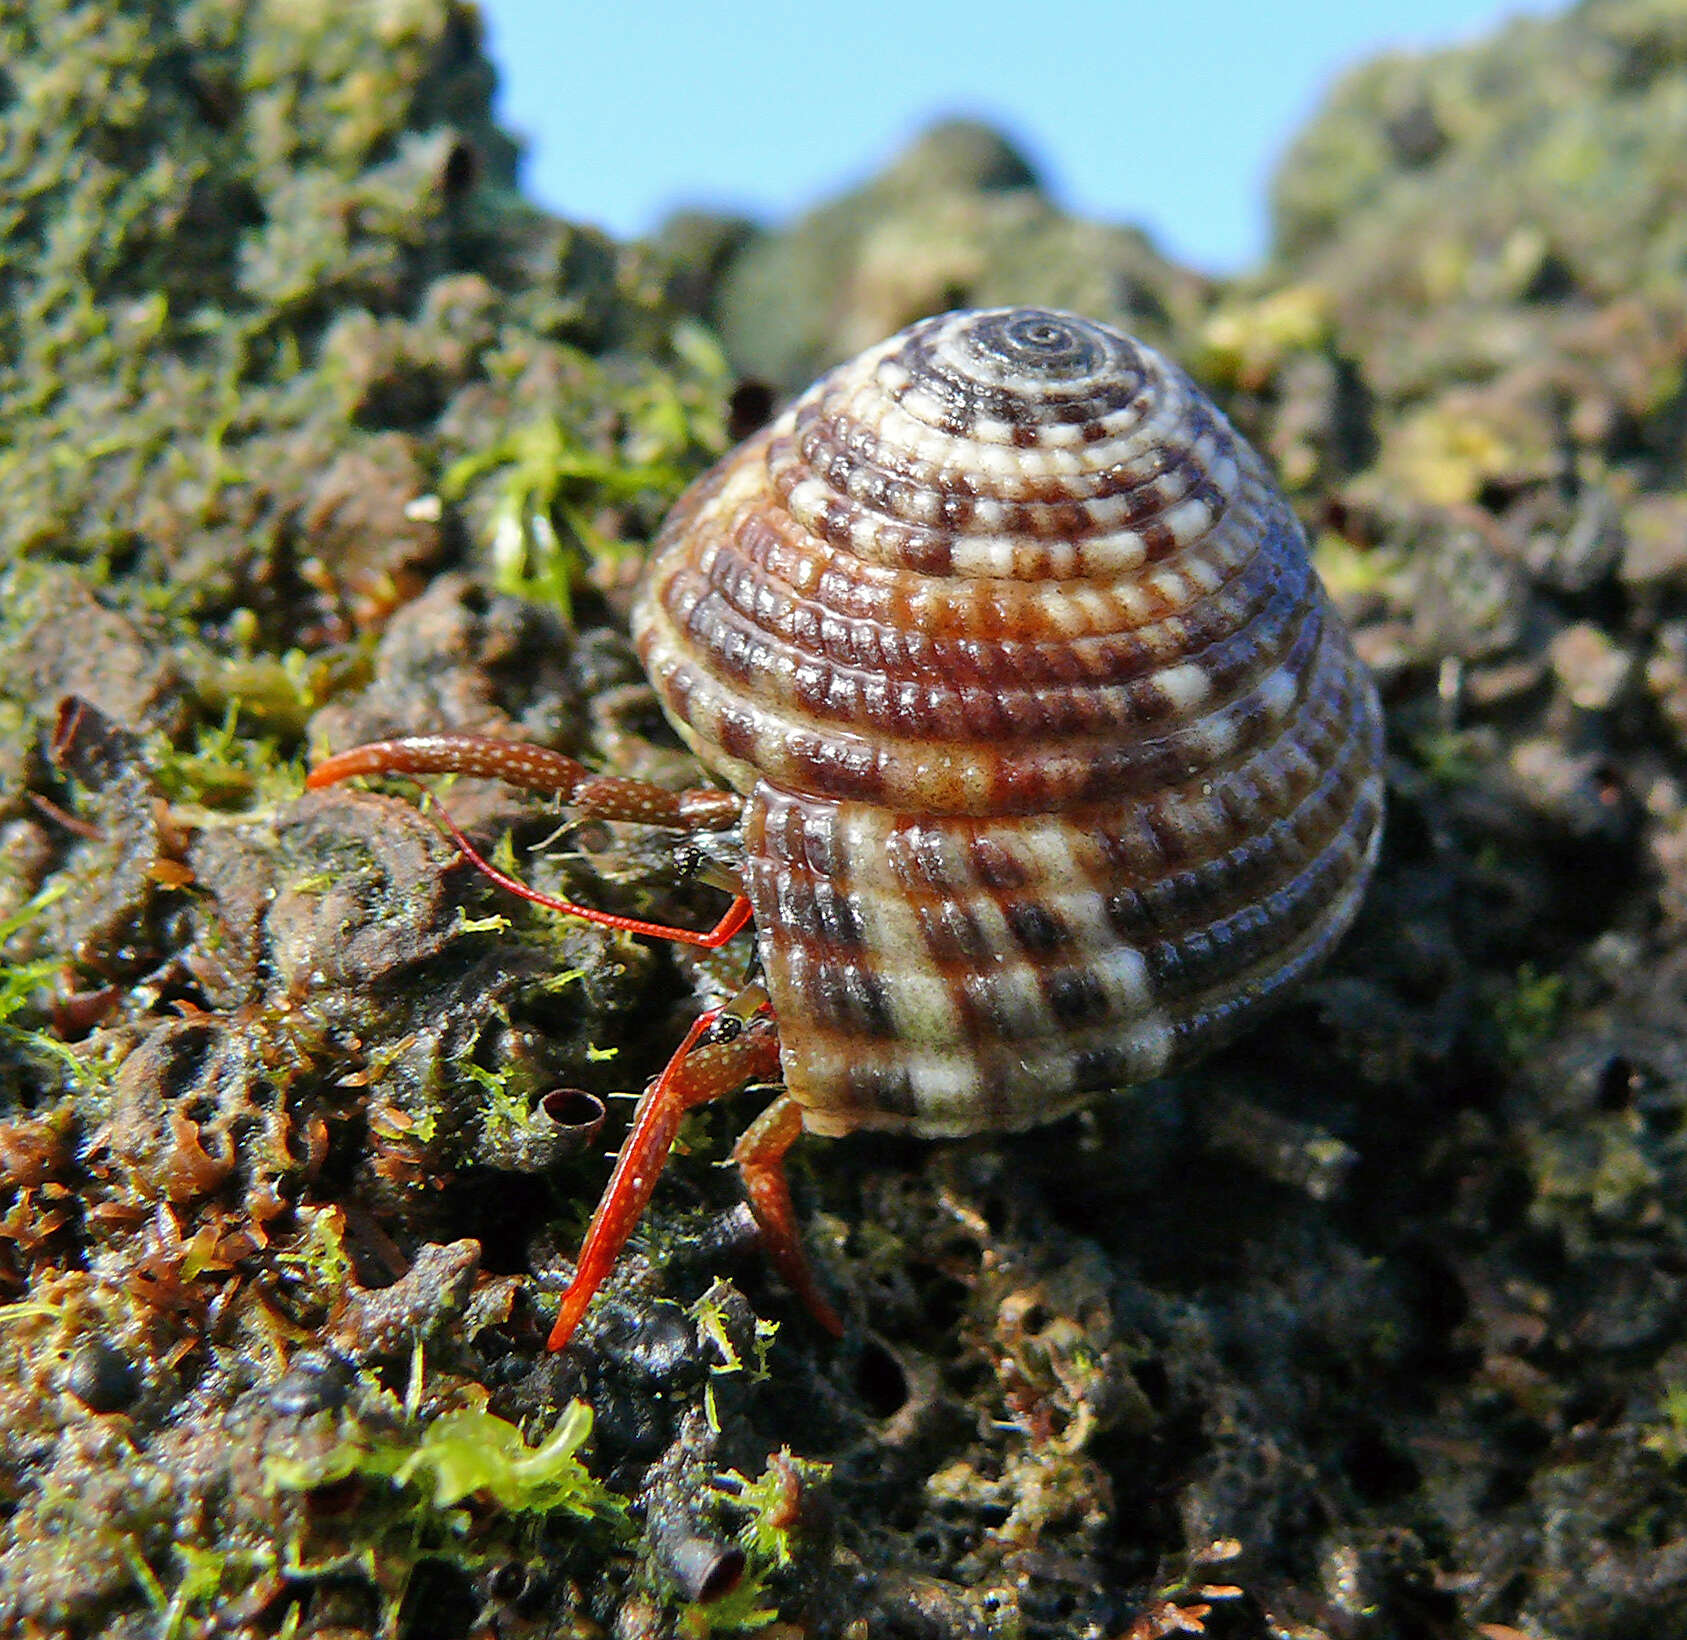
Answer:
(760, 1155)
(535, 769)
(698, 1073)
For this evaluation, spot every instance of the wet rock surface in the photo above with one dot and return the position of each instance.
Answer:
(1370, 1327)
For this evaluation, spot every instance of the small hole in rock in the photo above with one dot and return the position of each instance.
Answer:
(1379, 1470)
(573, 1108)
(880, 1381)
(1154, 1382)
(508, 1582)
(440, 1601)
(1616, 1083)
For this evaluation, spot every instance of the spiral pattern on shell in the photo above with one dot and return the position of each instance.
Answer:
(1059, 765)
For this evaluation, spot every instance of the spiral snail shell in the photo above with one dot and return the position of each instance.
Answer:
(1058, 764)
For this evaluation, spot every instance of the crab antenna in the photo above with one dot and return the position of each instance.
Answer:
(538, 769)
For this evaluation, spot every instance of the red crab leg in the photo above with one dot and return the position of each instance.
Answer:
(698, 1073)
(535, 768)
(760, 1155)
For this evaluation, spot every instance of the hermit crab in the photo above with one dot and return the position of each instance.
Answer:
(1050, 763)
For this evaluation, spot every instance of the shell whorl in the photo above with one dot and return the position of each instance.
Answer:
(1059, 763)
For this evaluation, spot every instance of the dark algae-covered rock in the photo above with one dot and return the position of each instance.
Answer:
(265, 274)
(312, 431)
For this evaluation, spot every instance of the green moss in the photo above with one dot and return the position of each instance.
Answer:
(468, 1452)
(21, 986)
(1245, 343)
(1669, 1437)
(767, 1531)
(224, 767)
(465, 1488)
(1531, 1012)
(1452, 757)
(508, 1090)
(548, 482)
(1599, 1173)
(1350, 572)
(317, 1258)
(205, 1575)
(279, 693)
(1411, 183)
(437, 1490)
(710, 1314)
(741, 1611)
(492, 924)
(463, 1454)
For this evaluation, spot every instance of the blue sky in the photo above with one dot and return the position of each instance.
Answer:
(1165, 113)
